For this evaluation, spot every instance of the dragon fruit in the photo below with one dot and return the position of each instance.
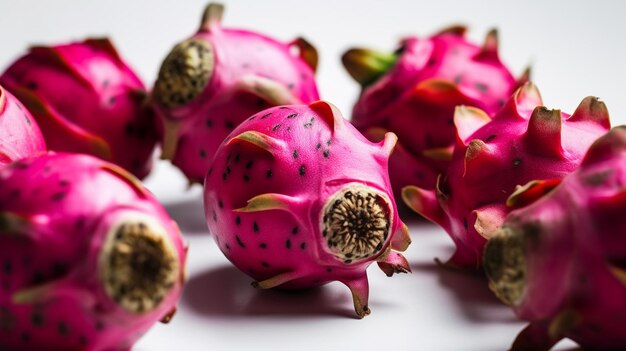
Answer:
(87, 100)
(560, 262)
(296, 197)
(213, 81)
(525, 141)
(413, 92)
(20, 136)
(80, 270)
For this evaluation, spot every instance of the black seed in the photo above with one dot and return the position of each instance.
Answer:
(239, 241)
(501, 102)
(220, 204)
(269, 173)
(227, 246)
(37, 319)
(82, 340)
(224, 176)
(99, 325)
(228, 170)
(276, 127)
(517, 162)
(293, 115)
(246, 178)
(290, 86)
(112, 100)
(294, 231)
(31, 85)
(210, 171)
(255, 227)
(324, 233)
(326, 152)
(481, 87)
(237, 220)
(379, 246)
(260, 103)
(229, 125)
(209, 123)
(202, 153)
(249, 164)
(329, 269)
(328, 142)
(288, 244)
(303, 246)
(309, 124)
(105, 83)
(63, 329)
(58, 196)
(318, 146)
(64, 182)
(465, 225)
(266, 115)
(302, 170)
(295, 153)
(458, 78)
(8, 267)
(27, 119)
(236, 159)
(347, 261)
(265, 264)
(25, 337)
(490, 138)
(214, 216)
(263, 245)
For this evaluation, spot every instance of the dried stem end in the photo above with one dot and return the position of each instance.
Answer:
(138, 265)
(505, 265)
(185, 73)
(356, 222)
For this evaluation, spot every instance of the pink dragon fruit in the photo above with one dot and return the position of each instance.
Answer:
(296, 197)
(20, 136)
(219, 77)
(560, 262)
(87, 100)
(413, 93)
(525, 141)
(82, 271)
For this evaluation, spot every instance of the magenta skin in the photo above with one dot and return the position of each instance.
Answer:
(523, 142)
(572, 253)
(416, 96)
(53, 226)
(20, 136)
(250, 72)
(265, 198)
(87, 100)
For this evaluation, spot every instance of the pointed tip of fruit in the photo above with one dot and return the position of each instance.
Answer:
(543, 135)
(458, 30)
(467, 120)
(525, 76)
(489, 50)
(608, 145)
(329, 113)
(366, 65)
(212, 16)
(307, 52)
(259, 140)
(594, 110)
(266, 202)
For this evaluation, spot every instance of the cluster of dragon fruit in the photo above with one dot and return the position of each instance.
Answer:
(295, 195)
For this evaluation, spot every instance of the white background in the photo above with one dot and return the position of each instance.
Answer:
(576, 49)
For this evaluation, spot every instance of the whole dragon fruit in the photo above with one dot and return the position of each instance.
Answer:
(525, 141)
(213, 81)
(20, 136)
(560, 262)
(296, 197)
(87, 100)
(413, 92)
(83, 270)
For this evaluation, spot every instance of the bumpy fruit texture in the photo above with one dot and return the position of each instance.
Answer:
(87, 100)
(296, 197)
(20, 136)
(213, 81)
(560, 262)
(90, 260)
(413, 92)
(525, 141)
